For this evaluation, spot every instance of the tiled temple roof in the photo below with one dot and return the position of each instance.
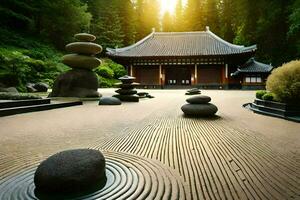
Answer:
(252, 66)
(172, 44)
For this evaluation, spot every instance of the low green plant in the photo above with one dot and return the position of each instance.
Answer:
(260, 93)
(106, 82)
(105, 71)
(268, 96)
(17, 96)
(284, 82)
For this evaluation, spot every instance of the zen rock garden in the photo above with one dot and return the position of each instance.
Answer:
(199, 106)
(81, 81)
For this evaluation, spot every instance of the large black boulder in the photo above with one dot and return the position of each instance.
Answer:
(76, 83)
(109, 101)
(200, 99)
(70, 172)
(199, 110)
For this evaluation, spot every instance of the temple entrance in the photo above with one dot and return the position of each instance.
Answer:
(178, 75)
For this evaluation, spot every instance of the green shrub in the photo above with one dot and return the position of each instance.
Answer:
(17, 96)
(119, 70)
(106, 82)
(105, 71)
(284, 82)
(260, 93)
(17, 68)
(268, 97)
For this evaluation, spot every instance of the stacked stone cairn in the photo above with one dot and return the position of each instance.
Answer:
(193, 91)
(127, 90)
(199, 106)
(81, 81)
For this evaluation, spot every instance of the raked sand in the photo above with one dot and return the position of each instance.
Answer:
(237, 155)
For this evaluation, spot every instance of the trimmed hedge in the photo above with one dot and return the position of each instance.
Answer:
(268, 97)
(284, 82)
(17, 96)
(260, 94)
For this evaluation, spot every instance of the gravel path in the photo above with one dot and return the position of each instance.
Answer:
(163, 155)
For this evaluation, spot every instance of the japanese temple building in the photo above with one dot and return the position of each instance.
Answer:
(198, 59)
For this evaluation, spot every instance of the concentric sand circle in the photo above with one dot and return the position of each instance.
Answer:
(129, 177)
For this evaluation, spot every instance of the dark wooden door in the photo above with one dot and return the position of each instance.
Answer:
(178, 75)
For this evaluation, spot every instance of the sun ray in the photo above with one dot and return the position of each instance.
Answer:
(169, 6)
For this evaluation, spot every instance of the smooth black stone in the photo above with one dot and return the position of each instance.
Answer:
(128, 98)
(76, 83)
(199, 110)
(109, 101)
(150, 96)
(127, 79)
(193, 93)
(142, 94)
(193, 90)
(41, 87)
(126, 91)
(199, 99)
(72, 171)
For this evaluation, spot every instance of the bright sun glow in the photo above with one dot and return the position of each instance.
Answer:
(168, 6)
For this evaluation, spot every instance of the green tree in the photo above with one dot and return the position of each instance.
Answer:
(179, 21)
(167, 22)
(147, 13)
(59, 20)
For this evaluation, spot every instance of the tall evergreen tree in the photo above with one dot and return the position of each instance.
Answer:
(167, 22)
(179, 22)
(211, 15)
(147, 17)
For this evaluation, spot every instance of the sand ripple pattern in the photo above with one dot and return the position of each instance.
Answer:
(129, 177)
(216, 160)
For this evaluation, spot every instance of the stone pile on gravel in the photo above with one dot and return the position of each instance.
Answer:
(81, 81)
(199, 106)
(127, 90)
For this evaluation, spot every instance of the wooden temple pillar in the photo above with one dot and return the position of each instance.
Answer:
(130, 70)
(196, 74)
(161, 75)
(225, 74)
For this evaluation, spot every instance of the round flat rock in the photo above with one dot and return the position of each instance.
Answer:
(128, 98)
(199, 99)
(81, 61)
(87, 48)
(85, 37)
(193, 90)
(141, 94)
(70, 171)
(109, 101)
(126, 91)
(199, 110)
(127, 79)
